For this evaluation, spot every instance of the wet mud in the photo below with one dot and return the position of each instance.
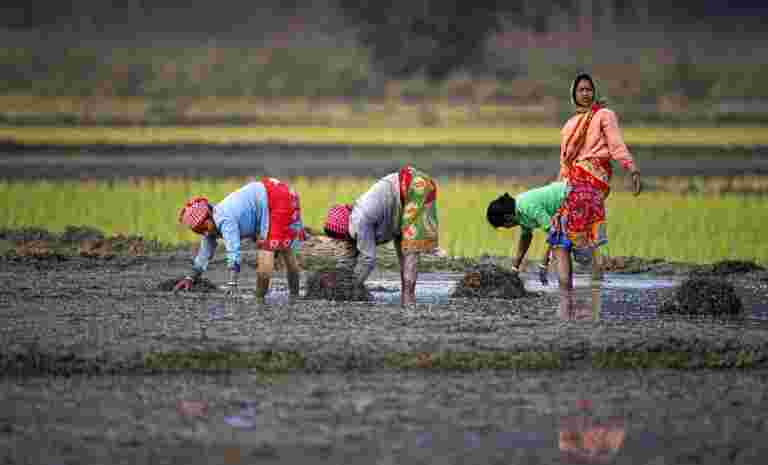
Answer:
(337, 285)
(67, 313)
(532, 417)
(705, 296)
(198, 285)
(490, 281)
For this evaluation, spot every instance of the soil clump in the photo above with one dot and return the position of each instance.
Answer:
(704, 296)
(490, 281)
(200, 285)
(339, 285)
(727, 267)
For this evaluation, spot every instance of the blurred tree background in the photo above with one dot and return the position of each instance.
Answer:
(656, 60)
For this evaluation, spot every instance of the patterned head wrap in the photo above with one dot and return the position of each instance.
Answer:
(596, 97)
(195, 212)
(337, 221)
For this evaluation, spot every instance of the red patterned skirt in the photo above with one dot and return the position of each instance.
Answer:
(286, 230)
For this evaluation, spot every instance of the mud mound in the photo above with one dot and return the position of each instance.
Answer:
(490, 281)
(336, 285)
(201, 285)
(81, 233)
(727, 267)
(26, 234)
(704, 296)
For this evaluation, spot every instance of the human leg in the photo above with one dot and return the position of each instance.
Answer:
(409, 276)
(564, 267)
(597, 265)
(292, 271)
(264, 270)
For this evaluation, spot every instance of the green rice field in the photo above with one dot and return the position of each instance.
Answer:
(699, 228)
(747, 136)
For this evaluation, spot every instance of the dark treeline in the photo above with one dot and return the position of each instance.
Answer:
(44, 13)
(405, 37)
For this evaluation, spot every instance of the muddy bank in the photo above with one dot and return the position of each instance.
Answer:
(68, 312)
(531, 417)
(284, 161)
(318, 253)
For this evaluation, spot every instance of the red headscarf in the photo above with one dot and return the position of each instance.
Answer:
(337, 221)
(195, 212)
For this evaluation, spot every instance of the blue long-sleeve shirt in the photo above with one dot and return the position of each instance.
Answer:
(241, 214)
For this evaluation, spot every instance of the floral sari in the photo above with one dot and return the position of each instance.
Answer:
(419, 221)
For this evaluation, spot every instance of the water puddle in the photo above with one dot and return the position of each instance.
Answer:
(616, 297)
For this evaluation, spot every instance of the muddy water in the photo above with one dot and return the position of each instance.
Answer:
(658, 417)
(52, 162)
(616, 297)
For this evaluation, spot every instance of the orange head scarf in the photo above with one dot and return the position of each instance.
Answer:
(576, 139)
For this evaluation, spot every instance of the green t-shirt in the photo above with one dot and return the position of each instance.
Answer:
(536, 207)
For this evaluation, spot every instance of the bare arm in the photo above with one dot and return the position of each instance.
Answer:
(526, 237)
(366, 247)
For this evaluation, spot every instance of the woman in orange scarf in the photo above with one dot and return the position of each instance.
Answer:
(590, 140)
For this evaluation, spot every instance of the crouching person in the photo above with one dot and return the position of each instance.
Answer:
(266, 211)
(400, 207)
(570, 213)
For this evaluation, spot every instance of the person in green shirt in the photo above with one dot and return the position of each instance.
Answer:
(570, 214)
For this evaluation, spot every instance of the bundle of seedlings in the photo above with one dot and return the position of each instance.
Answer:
(336, 284)
(704, 296)
(490, 281)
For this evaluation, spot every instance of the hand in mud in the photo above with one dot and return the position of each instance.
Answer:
(233, 290)
(183, 285)
(359, 293)
(543, 277)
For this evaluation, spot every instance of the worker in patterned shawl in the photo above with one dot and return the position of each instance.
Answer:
(266, 211)
(400, 207)
(590, 140)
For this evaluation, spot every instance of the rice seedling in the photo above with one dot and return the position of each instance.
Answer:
(369, 135)
(692, 227)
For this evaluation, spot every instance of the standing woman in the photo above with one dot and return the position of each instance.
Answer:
(590, 139)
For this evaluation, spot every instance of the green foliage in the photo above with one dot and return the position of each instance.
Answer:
(168, 71)
(474, 360)
(699, 228)
(265, 361)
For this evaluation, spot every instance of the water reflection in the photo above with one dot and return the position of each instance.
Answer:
(583, 437)
(582, 304)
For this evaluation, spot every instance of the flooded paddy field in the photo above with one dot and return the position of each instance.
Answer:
(100, 365)
(109, 161)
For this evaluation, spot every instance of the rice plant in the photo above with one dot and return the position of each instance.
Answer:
(691, 227)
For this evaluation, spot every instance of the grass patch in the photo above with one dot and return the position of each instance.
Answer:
(678, 360)
(744, 359)
(474, 360)
(265, 361)
(694, 228)
(541, 136)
